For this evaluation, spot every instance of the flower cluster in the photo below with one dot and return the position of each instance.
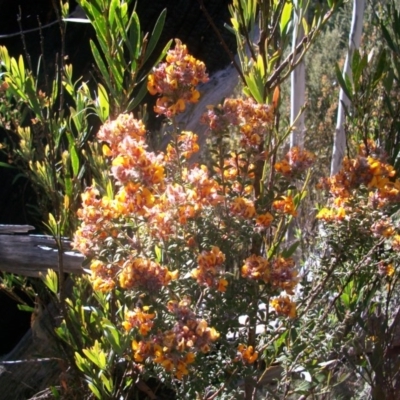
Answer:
(296, 161)
(208, 271)
(251, 118)
(283, 305)
(117, 132)
(285, 205)
(279, 272)
(146, 274)
(246, 354)
(366, 171)
(176, 348)
(236, 166)
(243, 207)
(103, 275)
(186, 146)
(369, 172)
(175, 80)
(139, 319)
(97, 215)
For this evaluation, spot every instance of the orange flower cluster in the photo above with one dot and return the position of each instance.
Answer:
(207, 189)
(187, 146)
(145, 274)
(279, 272)
(209, 269)
(237, 165)
(123, 129)
(284, 274)
(175, 80)
(176, 348)
(253, 119)
(264, 220)
(135, 164)
(283, 305)
(246, 354)
(368, 171)
(285, 205)
(383, 228)
(139, 319)
(396, 242)
(243, 207)
(97, 215)
(103, 275)
(257, 268)
(296, 161)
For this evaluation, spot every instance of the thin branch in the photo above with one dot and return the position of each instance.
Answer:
(221, 39)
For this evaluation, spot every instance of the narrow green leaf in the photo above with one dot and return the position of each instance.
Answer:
(388, 38)
(107, 382)
(254, 90)
(381, 68)
(112, 335)
(155, 35)
(21, 68)
(23, 307)
(94, 390)
(102, 67)
(285, 16)
(6, 165)
(113, 5)
(135, 37)
(51, 280)
(103, 105)
(73, 154)
(342, 82)
(138, 97)
(290, 251)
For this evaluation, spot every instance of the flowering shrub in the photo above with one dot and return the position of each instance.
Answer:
(194, 248)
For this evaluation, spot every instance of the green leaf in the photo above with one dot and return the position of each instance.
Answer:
(81, 363)
(381, 68)
(135, 37)
(112, 335)
(107, 382)
(254, 88)
(158, 252)
(290, 251)
(21, 68)
(342, 83)
(23, 307)
(358, 65)
(103, 105)
(285, 16)
(94, 390)
(96, 355)
(155, 35)
(102, 67)
(74, 154)
(51, 281)
(280, 341)
(138, 97)
(388, 39)
(6, 165)
(33, 98)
